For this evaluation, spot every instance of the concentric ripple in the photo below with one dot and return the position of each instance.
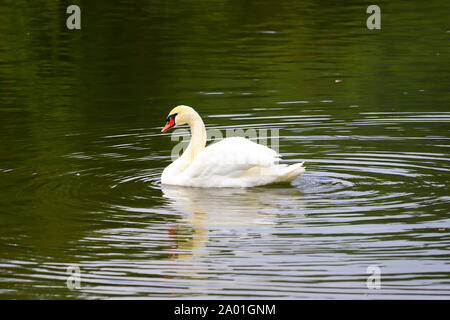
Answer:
(82, 152)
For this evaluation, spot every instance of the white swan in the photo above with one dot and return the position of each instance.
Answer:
(231, 162)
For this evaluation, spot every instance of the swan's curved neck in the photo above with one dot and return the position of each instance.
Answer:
(198, 137)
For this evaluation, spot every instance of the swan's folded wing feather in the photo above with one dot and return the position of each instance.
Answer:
(230, 157)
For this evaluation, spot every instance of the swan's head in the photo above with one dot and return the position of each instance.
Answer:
(178, 116)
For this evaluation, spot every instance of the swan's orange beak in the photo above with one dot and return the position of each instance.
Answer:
(169, 124)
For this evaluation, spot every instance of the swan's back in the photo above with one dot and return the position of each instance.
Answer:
(236, 162)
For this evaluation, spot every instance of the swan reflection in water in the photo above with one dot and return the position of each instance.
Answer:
(228, 214)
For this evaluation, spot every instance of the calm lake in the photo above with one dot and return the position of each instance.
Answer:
(82, 153)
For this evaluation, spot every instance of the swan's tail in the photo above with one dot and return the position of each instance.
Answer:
(259, 176)
(291, 172)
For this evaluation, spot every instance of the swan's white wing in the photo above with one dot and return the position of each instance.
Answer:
(230, 157)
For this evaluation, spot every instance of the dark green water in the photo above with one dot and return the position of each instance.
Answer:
(81, 153)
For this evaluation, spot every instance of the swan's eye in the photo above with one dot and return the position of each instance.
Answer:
(171, 116)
